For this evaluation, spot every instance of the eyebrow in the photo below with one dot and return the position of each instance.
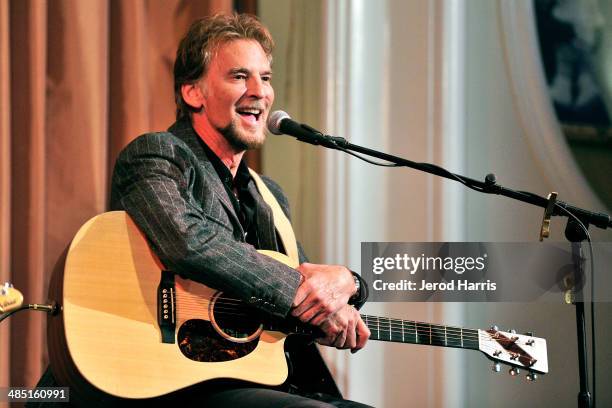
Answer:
(245, 71)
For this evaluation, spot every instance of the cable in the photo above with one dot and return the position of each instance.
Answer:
(450, 175)
(367, 160)
(52, 308)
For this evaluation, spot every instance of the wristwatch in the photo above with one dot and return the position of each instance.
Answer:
(357, 286)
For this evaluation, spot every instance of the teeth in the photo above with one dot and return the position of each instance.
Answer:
(250, 110)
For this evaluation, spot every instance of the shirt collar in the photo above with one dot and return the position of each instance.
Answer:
(243, 176)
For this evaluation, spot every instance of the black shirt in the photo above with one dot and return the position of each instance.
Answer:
(238, 192)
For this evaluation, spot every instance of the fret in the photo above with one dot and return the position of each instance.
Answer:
(461, 336)
(403, 341)
(390, 331)
(439, 335)
(416, 334)
(429, 334)
(378, 328)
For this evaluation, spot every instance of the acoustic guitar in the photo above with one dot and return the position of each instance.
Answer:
(129, 329)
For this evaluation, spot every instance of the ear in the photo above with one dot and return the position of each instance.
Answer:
(192, 95)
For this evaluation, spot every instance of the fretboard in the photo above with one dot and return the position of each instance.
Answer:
(408, 331)
(396, 330)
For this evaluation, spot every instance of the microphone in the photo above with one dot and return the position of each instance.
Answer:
(280, 123)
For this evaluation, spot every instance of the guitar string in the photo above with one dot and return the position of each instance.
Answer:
(389, 322)
(221, 301)
(421, 325)
(227, 301)
(417, 335)
(483, 346)
(409, 326)
(408, 332)
(412, 332)
(392, 323)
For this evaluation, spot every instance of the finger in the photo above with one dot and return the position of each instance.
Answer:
(323, 314)
(327, 341)
(308, 308)
(301, 294)
(351, 337)
(340, 339)
(304, 299)
(342, 324)
(331, 331)
(362, 335)
(305, 269)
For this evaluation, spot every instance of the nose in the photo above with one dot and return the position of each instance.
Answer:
(256, 88)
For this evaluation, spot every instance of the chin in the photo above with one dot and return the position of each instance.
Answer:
(246, 141)
(241, 139)
(254, 141)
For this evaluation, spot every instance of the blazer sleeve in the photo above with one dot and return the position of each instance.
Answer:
(360, 298)
(153, 182)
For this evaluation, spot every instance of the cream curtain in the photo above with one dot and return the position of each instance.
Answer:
(79, 79)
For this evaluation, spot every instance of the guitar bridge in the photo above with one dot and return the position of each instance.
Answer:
(166, 307)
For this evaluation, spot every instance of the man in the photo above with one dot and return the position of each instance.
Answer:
(203, 213)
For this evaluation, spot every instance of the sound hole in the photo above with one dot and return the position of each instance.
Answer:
(199, 341)
(234, 320)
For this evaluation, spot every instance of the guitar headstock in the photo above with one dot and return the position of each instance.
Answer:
(10, 298)
(520, 351)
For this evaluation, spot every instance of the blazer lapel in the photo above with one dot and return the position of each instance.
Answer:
(183, 130)
(266, 232)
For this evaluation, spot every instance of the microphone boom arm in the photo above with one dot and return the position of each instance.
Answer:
(488, 186)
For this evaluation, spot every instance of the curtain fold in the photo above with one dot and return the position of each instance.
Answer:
(78, 81)
(28, 159)
(5, 176)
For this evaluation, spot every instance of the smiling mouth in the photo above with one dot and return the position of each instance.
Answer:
(250, 114)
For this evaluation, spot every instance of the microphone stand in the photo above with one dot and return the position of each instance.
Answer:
(553, 207)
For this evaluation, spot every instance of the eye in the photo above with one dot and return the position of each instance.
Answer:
(266, 78)
(240, 77)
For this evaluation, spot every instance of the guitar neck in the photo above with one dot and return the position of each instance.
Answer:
(398, 331)
(409, 331)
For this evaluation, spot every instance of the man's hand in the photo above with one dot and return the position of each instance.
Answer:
(345, 330)
(324, 290)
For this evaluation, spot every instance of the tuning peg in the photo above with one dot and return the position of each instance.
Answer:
(512, 331)
(514, 371)
(496, 367)
(4, 289)
(529, 334)
(494, 328)
(531, 376)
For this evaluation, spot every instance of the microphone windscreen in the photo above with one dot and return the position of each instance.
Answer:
(274, 121)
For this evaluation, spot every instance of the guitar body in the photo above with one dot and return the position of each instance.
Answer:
(108, 338)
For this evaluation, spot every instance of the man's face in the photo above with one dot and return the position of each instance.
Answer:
(238, 94)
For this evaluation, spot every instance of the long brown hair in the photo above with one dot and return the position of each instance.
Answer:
(202, 41)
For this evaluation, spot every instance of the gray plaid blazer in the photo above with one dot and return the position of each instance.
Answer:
(166, 183)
